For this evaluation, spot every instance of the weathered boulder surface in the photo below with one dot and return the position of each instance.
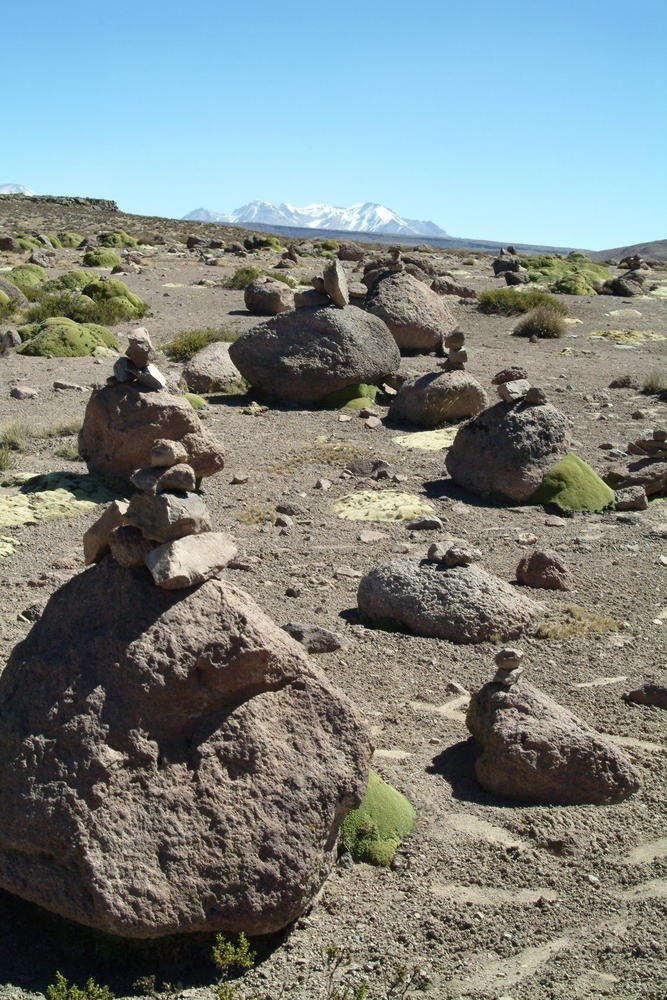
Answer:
(418, 318)
(123, 421)
(534, 749)
(506, 449)
(267, 297)
(211, 369)
(435, 398)
(170, 761)
(304, 356)
(545, 569)
(460, 603)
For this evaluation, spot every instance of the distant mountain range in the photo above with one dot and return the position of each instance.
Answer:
(15, 189)
(368, 217)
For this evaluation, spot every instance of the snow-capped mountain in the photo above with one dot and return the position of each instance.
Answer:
(368, 217)
(15, 189)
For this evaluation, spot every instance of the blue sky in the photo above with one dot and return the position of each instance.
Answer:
(526, 120)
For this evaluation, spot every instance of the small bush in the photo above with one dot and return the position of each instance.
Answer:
(286, 279)
(543, 322)
(118, 238)
(26, 277)
(229, 956)
(655, 383)
(69, 452)
(70, 240)
(332, 245)
(69, 281)
(5, 458)
(190, 342)
(101, 258)
(242, 277)
(512, 302)
(60, 337)
(14, 436)
(575, 274)
(61, 990)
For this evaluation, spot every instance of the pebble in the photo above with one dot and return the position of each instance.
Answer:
(372, 422)
(347, 572)
(553, 521)
(24, 392)
(425, 522)
(526, 538)
(323, 484)
(368, 537)
(239, 478)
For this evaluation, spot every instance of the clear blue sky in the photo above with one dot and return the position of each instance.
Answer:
(527, 120)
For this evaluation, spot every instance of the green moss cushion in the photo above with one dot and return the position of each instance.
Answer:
(58, 337)
(69, 239)
(101, 258)
(571, 485)
(26, 276)
(374, 831)
(195, 401)
(118, 295)
(352, 397)
(68, 281)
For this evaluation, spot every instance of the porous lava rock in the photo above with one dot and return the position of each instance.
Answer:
(170, 762)
(462, 603)
(535, 750)
(418, 317)
(212, 370)
(123, 421)
(438, 397)
(267, 297)
(506, 449)
(545, 569)
(306, 355)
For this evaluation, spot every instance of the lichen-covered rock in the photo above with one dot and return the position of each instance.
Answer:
(418, 318)
(123, 421)
(463, 603)
(267, 297)
(212, 370)
(534, 749)
(438, 397)
(572, 486)
(306, 355)
(183, 765)
(506, 449)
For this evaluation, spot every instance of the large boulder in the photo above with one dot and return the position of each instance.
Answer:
(418, 318)
(267, 297)
(439, 397)
(462, 603)
(212, 370)
(170, 762)
(506, 450)
(305, 356)
(535, 750)
(123, 421)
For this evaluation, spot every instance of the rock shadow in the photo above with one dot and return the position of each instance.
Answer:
(456, 764)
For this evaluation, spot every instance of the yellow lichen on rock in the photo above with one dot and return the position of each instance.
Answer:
(442, 437)
(631, 337)
(388, 505)
(50, 496)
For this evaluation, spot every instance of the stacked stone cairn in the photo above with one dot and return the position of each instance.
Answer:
(136, 364)
(165, 526)
(457, 355)
(513, 387)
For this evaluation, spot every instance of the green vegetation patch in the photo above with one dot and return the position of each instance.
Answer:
(515, 301)
(101, 258)
(242, 277)
(117, 238)
(373, 832)
(352, 397)
(73, 280)
(575, 274)
(385, 505)
(543, 322)
(629, 338)
(70, 240)
(7, 305)
(188, 343)
(572, 486)
(574, 620)
(195, 401)
(59, 337)
(27, 277)
(118, 298)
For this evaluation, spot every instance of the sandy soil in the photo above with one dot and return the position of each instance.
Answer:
(488, 899)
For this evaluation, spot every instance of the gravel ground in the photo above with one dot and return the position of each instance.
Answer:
(487, 899)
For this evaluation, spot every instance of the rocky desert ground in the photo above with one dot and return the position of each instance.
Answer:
(489, 897)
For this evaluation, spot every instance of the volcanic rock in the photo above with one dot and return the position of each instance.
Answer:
(267, 297)
(545, 569)
(438, 397)
(417, 317)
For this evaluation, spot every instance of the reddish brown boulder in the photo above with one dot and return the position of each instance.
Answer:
(534, 749)
(170, 761)
(418, 318)
(546, 570)
(123, 421)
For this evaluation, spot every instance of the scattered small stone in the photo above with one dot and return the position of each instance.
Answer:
(284, 521)
(346, 572)
(239, 478)
(513, 392)
(372, 422)
(314, 638)
(140, 350)
(536, 396)
(61, 386)
(554, 521)
(454, 554)
(526, 538)
(425, 522)
(323, 484)
(368, 537)
(631, 498)
(24, 392)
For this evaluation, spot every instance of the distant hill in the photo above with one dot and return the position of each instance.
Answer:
(368, 217)
(657, 250)
(15, 189)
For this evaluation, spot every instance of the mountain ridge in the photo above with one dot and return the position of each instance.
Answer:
(364, 217)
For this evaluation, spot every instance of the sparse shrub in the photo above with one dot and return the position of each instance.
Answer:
(543, 322)
(230, 957)
(271, 243)
(101, 258)
(242, 277)
(655, 383)
(14, 436)
(332, 245)
(575, 274)
(513, 302)
(69, 452)
(70, 240)
(60, 337)
(69, 281)
(188, 343)
(27, 277)
(5, 458)
(61, 990)
(117, 238)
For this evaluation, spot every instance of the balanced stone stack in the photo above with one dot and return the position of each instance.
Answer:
(165, 526)
(136, 364)
(457, 354)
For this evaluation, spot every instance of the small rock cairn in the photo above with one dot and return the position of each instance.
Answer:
(508, 666)
(457, 355)
(513, 387)
(136, 364)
